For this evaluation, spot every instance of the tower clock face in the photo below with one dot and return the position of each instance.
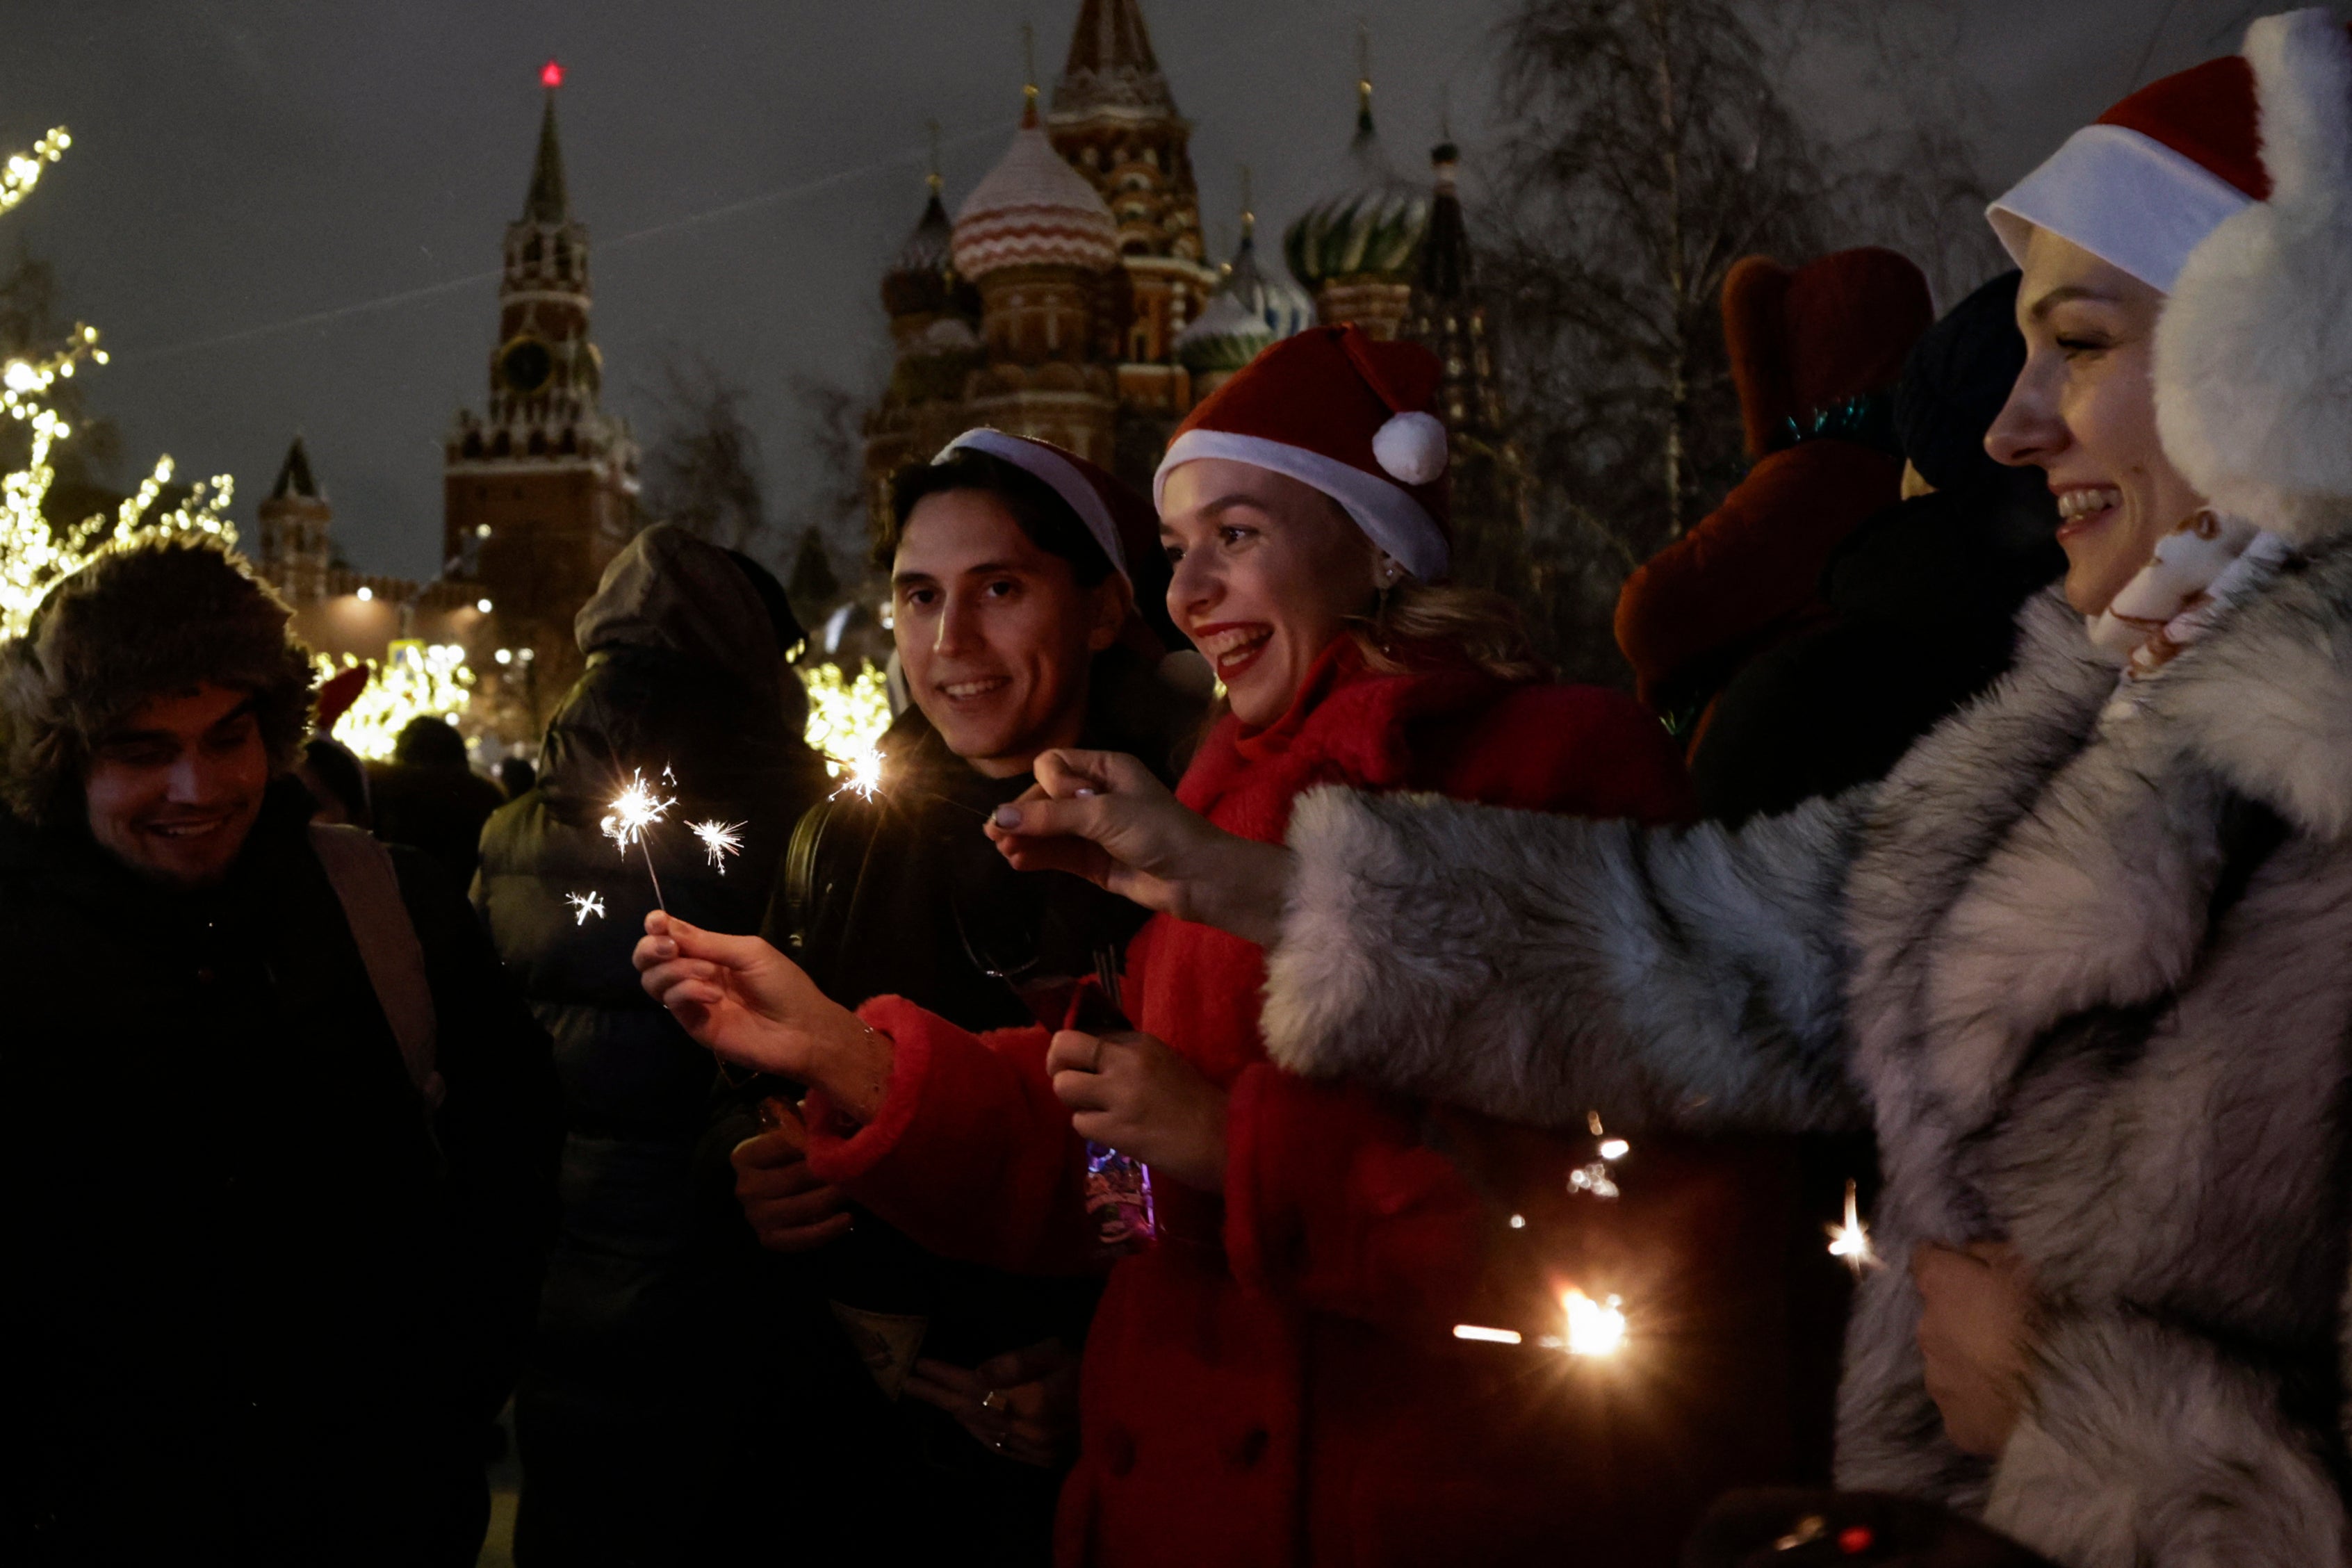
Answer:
(525, 365)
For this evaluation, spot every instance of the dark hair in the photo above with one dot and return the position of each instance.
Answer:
(1049, 522)
(429, 741)
(144, 619)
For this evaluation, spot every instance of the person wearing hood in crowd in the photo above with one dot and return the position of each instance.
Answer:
(1814, 352)
(1922, 599)
(1276, 1378)
(429, 797)
(279, 1141)
(624, 1433)
(1026, 591)
(2085, 956)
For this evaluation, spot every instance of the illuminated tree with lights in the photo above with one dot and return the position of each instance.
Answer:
(36, 554)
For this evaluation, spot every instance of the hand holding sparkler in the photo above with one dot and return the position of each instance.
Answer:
(1103, 816)
(752, 1005)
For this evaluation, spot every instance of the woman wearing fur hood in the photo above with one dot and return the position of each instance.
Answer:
(2085, 958)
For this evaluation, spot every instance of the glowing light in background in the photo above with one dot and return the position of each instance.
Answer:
(583, 905)
(415, 679)
(1489, 1336)
(550, 75)
(848, 715)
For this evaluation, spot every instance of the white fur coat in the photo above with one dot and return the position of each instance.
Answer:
(2093, 982)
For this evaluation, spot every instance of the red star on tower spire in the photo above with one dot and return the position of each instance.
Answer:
(550, 75)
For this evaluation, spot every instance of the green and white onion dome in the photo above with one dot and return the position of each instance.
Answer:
(1033, 210)
(1371, 224)
(1248, 311)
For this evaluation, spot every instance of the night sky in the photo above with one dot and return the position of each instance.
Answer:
(745, 167)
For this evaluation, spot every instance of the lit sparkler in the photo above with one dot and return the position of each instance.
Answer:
(719, 839)
(1594, 1328)
(1850, 1240)
(861, 773)
(1488, 1336)
(583, 905)
(636, 809)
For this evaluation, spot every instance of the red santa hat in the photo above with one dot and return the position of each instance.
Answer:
(2142, 185)
(1348, 415)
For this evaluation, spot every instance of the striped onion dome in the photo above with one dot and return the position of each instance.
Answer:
(1248, 311)
(1032, 210)
(1371, 223)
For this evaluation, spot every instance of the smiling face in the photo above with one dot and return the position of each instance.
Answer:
(2083, 411)
(994, 634)
(1267, 571)
(173, 790)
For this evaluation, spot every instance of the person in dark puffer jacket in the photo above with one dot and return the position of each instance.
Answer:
(624, 1430)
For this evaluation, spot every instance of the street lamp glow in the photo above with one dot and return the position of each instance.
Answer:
(483, 606)
(366, 593)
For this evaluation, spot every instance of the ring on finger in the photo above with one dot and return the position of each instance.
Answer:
(994, 1401)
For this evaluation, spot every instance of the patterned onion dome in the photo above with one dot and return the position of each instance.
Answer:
(1248, 311)
(1371, 224)
(1033, 210)
(921, 278)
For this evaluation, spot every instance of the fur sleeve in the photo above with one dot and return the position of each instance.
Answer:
(1539, 967)
(2146, 1446)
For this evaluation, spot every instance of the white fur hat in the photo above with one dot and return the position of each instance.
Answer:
(2254, 351)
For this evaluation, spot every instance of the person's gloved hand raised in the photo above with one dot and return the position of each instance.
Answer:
(1103, 816)
(752, 1005)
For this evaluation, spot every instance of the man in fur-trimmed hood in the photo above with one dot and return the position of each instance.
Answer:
(275, 1136)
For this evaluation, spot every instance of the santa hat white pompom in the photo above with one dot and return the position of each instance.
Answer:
(1411, 448)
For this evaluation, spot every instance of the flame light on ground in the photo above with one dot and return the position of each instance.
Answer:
(1850, 1240)
(1594, 1328)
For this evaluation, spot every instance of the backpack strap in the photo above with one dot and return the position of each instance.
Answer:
(368, 887)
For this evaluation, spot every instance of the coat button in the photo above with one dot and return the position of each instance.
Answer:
(1118, 1450)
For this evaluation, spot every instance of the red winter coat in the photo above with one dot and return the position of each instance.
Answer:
(1276, 1381)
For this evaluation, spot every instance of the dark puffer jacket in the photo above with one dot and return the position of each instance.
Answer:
(621, 1422)
(256, 1309)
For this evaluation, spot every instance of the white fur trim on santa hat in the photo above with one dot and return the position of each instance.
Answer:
(2254, 352)
(1038, 459)
(1390, 518)
(2125, 197)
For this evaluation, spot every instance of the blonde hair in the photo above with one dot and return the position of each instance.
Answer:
(1436, 626)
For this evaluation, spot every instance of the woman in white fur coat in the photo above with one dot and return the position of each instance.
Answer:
(2085, 958)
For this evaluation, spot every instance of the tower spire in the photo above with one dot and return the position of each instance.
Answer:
(1249, 216)
(1363, 77)
(546, 203)
(1028, 76)
(933, 179)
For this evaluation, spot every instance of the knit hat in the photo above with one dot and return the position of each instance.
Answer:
(1809, 345)
(1349, 416)
(1955, 384)
(1115, 516)
(2144, 183)
(2254, 351)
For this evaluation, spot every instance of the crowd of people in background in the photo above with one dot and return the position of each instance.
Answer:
(1266, 1075)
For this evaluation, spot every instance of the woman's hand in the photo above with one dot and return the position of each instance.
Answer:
(1133, 1093)
(1102, 816)
(1024, 1405)
(1975, 1332)
(753, 1005)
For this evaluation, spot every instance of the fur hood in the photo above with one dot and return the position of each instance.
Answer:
(155, 615)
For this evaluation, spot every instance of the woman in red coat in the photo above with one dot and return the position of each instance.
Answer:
(1276, 1379)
